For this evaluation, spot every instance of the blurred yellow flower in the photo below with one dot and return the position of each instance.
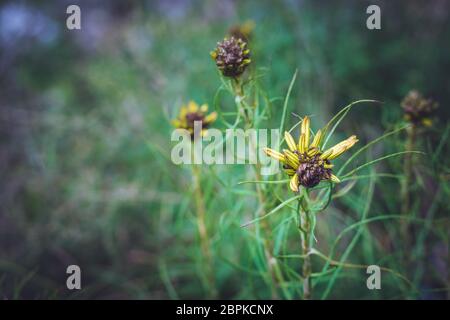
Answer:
(417, 109)
(191, 113)
(243, 31)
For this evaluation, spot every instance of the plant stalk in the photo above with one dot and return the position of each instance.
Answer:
(408, 173)
(272, 264)
(202, 230)
(306, 236)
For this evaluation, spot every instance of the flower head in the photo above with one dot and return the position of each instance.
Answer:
(305, 162)
(417, 109)
(242, 31)
(232, 57)
(190, 114)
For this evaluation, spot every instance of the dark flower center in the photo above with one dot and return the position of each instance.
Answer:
(192, 117)
(311, 171)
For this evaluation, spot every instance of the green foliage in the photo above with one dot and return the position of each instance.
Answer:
(94, 184)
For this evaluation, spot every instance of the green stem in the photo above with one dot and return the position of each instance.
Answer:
(273, 267)
(272, 263)
(238, 88)
(305, 228)
(202, 230)
(406, 192)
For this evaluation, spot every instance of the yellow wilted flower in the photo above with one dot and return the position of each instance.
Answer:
(417, 109)
(305, 162)
(243, 31)
(193, 112)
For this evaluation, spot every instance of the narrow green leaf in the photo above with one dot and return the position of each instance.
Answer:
(280, 206)
(286, 100)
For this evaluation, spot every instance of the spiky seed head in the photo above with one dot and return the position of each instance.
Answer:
(417, 109)
(232, 57)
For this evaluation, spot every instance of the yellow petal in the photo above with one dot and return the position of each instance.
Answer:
(326, 154)
(192, 106)
(204, 133)
(306, 132)
(290, 141)
(301, 143)
(176, 123)
(336, 153)
(334, 178)
(183, 112)
(343, 146)
(204, 108)
(291, 158)
(317, 139)
(312, 152)
(305, 125)
(349, 142)
(293, 184)
(427, 122)
(340, 148)
(289, 172)
(275, 154)
(248, 27)
(211, 117)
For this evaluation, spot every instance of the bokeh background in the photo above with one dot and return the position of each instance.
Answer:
(86, 176)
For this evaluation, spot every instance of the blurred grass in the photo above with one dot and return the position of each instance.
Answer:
(86, 154)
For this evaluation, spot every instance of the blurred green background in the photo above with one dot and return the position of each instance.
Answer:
(85, 145)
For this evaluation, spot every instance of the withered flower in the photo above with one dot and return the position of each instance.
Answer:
(417, 109)
(305, 162)
(232, 57)
(242, 31)
(191, 113)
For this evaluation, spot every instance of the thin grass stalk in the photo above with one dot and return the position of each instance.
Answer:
(202, 230)
(305, 227)
(352, 243)
(238, 89)
(405, 191)
(272, 264)
(275, 273)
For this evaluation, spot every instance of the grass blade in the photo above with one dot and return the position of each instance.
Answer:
(378, 160)
(286, 100)
(340, 116)
(280, 206)
(384, 136)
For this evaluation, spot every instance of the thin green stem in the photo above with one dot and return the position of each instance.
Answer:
(305, 227)
(405, 191)
(202, 230)
(238, 90)
(274, 271)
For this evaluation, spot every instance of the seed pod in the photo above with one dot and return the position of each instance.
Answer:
(232, 57)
